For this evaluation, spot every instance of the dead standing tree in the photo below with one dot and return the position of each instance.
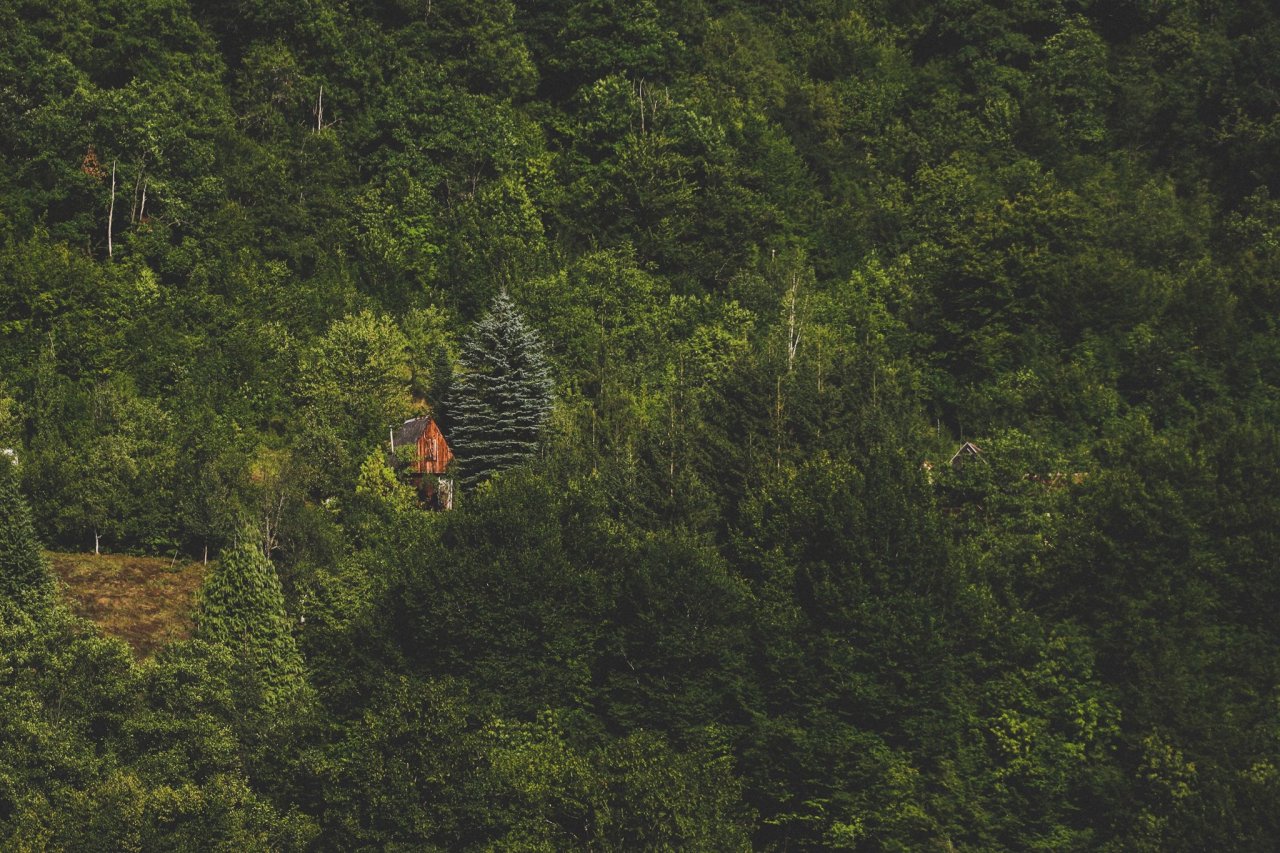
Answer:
(794, 275)
(111, 210)
(91, 166)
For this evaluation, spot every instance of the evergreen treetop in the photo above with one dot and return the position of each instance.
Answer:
(241, 606)
(24, 577)
(503, 397)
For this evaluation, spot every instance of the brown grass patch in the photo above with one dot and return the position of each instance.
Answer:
(145, 601)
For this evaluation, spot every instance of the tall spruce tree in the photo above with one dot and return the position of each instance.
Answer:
(502, 399)
(24, 577)
(242, 607)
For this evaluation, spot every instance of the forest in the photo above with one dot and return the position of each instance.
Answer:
(705, 296)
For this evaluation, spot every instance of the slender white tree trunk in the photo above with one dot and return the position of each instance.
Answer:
(793, 322)
(111, 211)
(133, 200)
(777, 424)
(96, 538)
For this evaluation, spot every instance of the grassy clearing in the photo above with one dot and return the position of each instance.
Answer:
(145, 601)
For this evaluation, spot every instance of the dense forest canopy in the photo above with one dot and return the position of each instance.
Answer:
(725, 588)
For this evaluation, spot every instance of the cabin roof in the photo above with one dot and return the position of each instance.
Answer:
(966, 450)
(411, 430)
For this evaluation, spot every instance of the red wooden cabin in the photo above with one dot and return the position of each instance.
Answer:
(427, 465)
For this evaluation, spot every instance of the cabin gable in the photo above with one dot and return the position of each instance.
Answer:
(427, 466)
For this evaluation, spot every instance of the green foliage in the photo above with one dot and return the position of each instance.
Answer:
(9, 420)
(241, 606)
(638, 793)
(25, 579)
(782, 260)
(433, 352)
(101, 754)
(357, 375)
(377, 485)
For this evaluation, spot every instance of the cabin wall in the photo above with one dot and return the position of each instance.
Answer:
(433, 456)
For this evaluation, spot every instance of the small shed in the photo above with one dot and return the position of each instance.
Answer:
(967, 453)
(427, 464)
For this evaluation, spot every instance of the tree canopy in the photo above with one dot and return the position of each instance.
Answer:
(719, 289)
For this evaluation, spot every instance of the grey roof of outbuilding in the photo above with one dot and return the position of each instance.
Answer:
(968, 449)
(410, 431)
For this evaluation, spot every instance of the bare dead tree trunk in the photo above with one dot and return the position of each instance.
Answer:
(142, 209)
(133, 201)
(111, 210)
(819, 363)
(777, 424)
(206, 552)
(96, 538)
(271, 526)
(648, 101)
(320, 110)
(671, 426)
(793, 322)
(671, 431)
(139, 184)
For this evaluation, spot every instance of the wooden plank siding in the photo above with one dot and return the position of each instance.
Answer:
(433, 454)
(427, 467)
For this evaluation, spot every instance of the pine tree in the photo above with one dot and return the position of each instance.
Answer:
(441, 392)
(242, 607)
(502, 399)
(24, 577)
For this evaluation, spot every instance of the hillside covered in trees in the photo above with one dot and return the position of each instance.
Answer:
(704, 294)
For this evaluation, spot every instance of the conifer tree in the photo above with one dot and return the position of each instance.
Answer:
(241, 606)
(502, 399)
(24, 577)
